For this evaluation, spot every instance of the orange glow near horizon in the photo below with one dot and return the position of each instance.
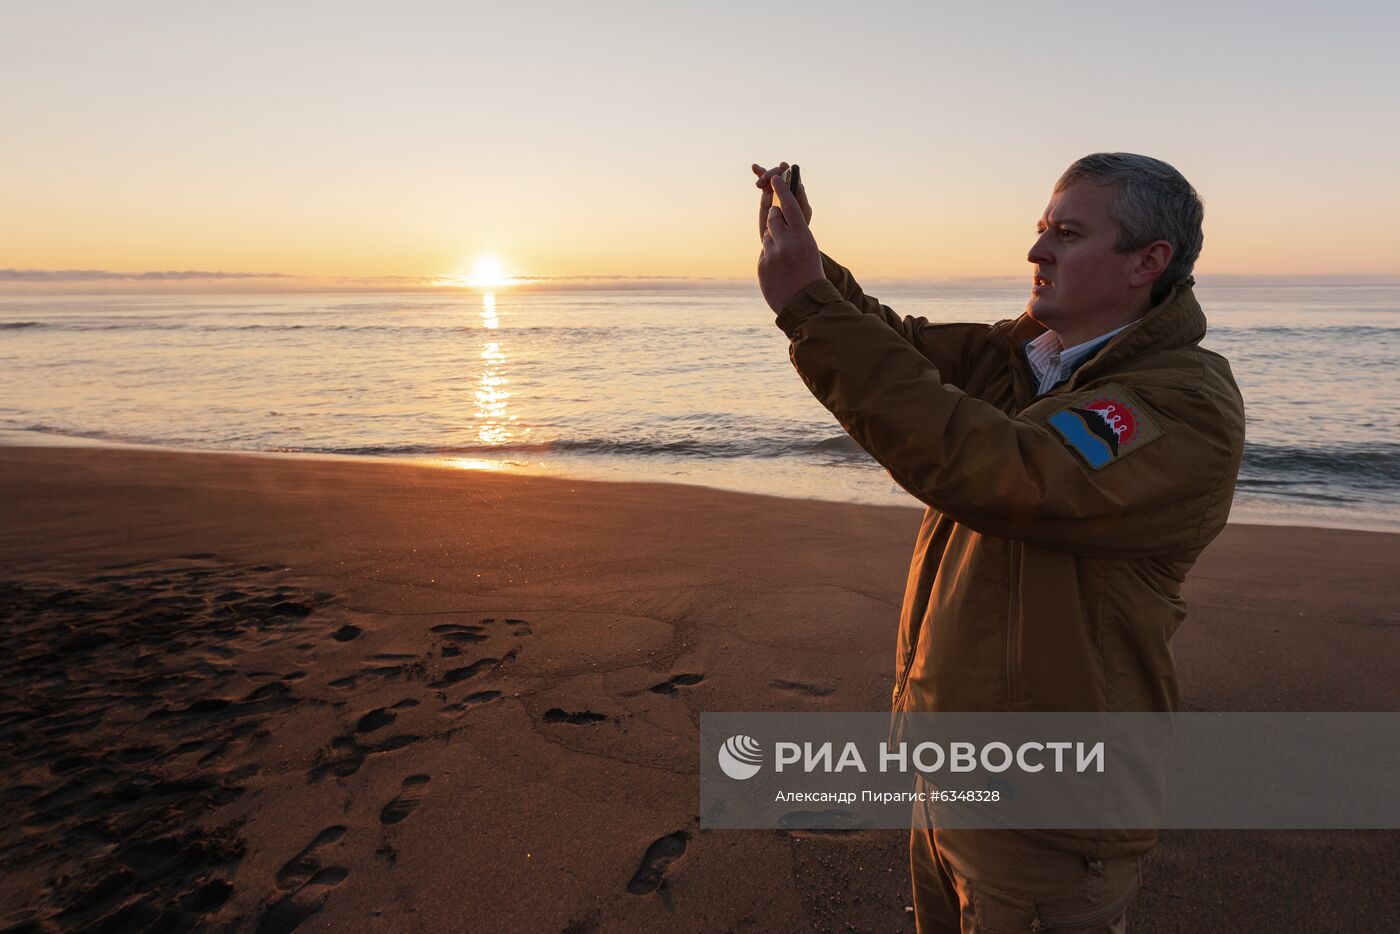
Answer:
(488, 273)
(566, 170)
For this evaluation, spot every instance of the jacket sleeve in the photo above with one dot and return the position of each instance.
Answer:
(949, 347)
(1020, 476)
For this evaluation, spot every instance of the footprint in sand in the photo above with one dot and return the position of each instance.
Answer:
(308, 898)
(206, 706)
(375, 719)
(409, 672)
(459, 632)
(176, 642)
(462, 674)
(269, 697)
(670, 684)
(346, 755)
(346, 633)
(394, 742)
(136, 753)
(342, 760)
(811, 690)
(472, 700)
(300, 868)
(521, 627)
(70, 764)
(209, 895)
(215, 752)
(408, 800)
(656, 862)
(581, 717)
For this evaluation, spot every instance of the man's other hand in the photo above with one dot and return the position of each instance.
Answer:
(765, 184)
(790, 259)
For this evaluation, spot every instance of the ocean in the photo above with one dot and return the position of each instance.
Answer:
(686, 386)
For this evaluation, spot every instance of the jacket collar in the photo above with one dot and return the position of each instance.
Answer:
(1176, 321)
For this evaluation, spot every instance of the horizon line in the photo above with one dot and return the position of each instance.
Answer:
(52, 281)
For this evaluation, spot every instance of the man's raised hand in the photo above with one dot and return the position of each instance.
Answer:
(790, 259)
(765, 178)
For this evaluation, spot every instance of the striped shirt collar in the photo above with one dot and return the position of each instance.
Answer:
(1052, 363)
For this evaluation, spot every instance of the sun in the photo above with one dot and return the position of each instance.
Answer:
(488, 273)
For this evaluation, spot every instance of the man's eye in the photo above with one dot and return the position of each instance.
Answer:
(1066, 233)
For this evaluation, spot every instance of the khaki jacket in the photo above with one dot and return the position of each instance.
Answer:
(1047, 571)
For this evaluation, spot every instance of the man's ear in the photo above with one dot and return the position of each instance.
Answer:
(1152, 262)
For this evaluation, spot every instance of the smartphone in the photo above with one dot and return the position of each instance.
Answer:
(793, 177)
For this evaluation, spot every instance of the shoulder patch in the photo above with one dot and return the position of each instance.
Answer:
(1104, 425)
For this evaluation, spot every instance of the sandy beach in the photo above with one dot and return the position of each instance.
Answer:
(265, 693)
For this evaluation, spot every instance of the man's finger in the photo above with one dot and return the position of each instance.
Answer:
(764, 204)
(792, 211)
(764, 175)
(777, 223)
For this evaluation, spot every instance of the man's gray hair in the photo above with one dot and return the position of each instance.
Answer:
(1155, 202)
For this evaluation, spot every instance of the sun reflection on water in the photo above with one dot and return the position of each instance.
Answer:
(473, 463)
(492, 396)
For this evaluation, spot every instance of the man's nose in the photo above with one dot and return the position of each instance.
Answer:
(1040, 251)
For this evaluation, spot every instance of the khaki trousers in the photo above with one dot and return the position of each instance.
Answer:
(999, 882)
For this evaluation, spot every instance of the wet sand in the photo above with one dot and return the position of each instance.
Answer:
(263, 693)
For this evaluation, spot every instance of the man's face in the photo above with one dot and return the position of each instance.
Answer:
(1080, 284)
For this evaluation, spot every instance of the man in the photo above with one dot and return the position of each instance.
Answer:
(1075, 462)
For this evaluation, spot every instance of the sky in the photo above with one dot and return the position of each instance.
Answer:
(399, 143)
